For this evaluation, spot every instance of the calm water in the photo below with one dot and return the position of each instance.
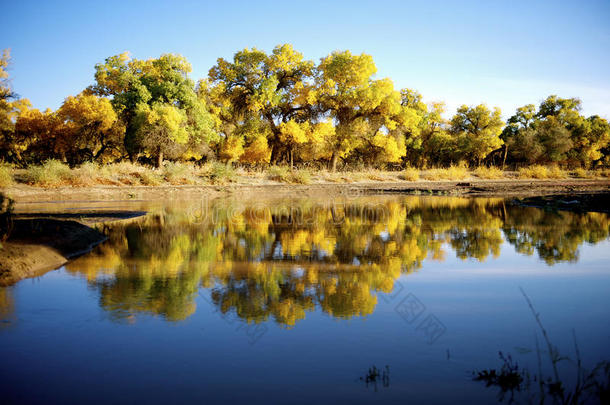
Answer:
(292, 301)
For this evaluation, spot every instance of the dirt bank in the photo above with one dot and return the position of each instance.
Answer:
(39, 243)
(511, 187)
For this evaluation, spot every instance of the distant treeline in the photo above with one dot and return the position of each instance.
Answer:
(260, 109)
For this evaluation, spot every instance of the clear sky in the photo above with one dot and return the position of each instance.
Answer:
(502, 53)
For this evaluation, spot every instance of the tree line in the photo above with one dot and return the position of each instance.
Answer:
(279, 108)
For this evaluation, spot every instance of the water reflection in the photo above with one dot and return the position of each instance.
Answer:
(280, 260)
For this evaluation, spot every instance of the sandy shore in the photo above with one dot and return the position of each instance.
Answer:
(511, 187)
(39, 243)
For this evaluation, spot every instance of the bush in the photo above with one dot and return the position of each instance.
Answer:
(150, 178)
(6, 175)
(451, 173)
(87, 174)
(219, 173)
(179, 173)
(581, 173)
(52, 173)
(541, 172)
(301, 176)
(483, 172)
(555, 172)
(285, 175)
(278, 173)
(410, 174)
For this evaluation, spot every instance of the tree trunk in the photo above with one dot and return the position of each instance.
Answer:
(333, 161)
(505, 153)
(291, 165)
(159, 159)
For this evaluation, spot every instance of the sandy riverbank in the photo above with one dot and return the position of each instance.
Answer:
(500, 188)
(39, 243)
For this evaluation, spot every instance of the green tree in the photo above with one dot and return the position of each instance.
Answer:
(477, 131)
(155, 95)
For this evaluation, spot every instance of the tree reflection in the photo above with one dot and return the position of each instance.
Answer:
(281, 261)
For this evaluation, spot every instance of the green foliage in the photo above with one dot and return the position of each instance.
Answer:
(477, 131)
(219, 173)
(52, 173)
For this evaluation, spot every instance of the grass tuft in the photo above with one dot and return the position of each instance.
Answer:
(542, 172)
(6, 175)
(409, 174)
(179, 173)
(483, 172)
(52, 173)
(219, 173)
(451, 173)
(581, 173)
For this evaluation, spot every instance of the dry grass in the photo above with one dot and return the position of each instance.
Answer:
(542, 172)
(483, 172)
(451, 173)
(6, 175)
(284, 174)
(219, 173)
(602, 173)
(409, 174)
(52, 173)
(581, 173)
(179, 173)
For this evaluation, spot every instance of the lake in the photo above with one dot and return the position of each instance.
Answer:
(296, 300)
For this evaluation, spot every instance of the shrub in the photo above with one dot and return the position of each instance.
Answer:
(6, 175)
(410, 174)
(52, 173)
(87, 174)
(451, 173)
(285, 175)
(581, 173)
(541, 172)
(483, 172)
(278, 173)
(301, 176)
(150, 178)
(220, 173)
(179, 173)
(555, 172)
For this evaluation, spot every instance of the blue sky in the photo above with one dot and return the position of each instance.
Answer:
(502, 53)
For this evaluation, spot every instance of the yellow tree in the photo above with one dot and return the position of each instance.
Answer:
(92, 129)
(364, 109)
(271, 88)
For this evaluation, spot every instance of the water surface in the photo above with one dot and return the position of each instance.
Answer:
(294, 300)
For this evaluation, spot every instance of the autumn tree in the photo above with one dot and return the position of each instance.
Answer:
(155, 97)
(367, 112)
(477, 131)
(272, 88)
(92, 130)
